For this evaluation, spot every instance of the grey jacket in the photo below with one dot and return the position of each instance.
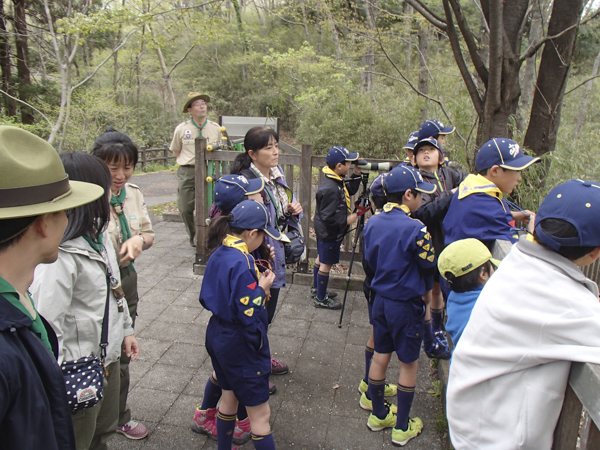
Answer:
(71, 293)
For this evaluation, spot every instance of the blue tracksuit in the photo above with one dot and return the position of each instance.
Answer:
(459, 307)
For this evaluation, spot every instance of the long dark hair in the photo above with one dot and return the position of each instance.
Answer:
(219, 228)
(90, 219)
(114, 146)
(255, 139)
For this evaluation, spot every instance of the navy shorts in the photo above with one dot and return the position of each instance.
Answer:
(398, 327)
(241, 361)
(428, 283)
(370, 308)
(329, 252)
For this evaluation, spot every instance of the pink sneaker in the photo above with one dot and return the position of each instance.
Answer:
(278, 368)
(205, 422)
(133, 430)
(242, 433)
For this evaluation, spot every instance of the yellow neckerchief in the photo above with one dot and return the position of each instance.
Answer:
(238, 244)
(331, 174)
(389, 206)
(478, 184)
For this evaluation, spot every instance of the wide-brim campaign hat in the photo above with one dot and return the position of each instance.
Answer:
(231, 189)
(502, 152)
(339, 154)
(33, 179)
(413, 138)
(403, 178)
(576, 202)
(433, 127)
(463, 256)
(251, 215)
(194, 96)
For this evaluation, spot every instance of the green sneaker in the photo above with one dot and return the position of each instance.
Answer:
(376, 424)
(401, 438)
(390, 389)
(367, 404)
(326, 303)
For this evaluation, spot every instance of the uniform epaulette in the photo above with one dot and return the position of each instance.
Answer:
(133, 186)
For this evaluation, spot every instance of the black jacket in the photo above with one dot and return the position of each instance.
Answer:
(33, 403)
(434, 206)
(331, 213)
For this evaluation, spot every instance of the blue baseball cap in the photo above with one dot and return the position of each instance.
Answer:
(413, 138)
(231, 189)
(250, 215)
(577, 202)
(339, 154)
(504, 153)
(376, 187)
(432, 127)
(403, 178)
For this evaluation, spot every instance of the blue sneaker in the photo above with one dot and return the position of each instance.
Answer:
(438, 350)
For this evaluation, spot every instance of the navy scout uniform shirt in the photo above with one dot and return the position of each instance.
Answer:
(397, 248)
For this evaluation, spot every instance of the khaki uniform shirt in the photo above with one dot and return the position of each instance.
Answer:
(185, 135)
(136, 213)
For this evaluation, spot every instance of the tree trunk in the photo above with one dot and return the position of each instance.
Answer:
(423, 72)
(20, 24)
(368, 59)
(408, 11)
(586, 95)
(334, 33)
(305, 20)
(552, 78)
(9, 104)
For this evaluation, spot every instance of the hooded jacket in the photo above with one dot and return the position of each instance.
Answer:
(71, 294)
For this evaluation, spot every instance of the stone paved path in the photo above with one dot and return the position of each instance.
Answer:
(306, 412)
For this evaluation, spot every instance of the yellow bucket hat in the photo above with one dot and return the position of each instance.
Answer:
(33, 180)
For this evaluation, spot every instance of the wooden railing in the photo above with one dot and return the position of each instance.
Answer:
(164, 156)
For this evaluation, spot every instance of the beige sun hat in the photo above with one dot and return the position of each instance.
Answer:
(194, 96)
(33, 180)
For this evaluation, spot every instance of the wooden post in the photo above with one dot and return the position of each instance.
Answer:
(201, 193)
(305, 194)
(143, 158)
(166, 153)
(567, 428)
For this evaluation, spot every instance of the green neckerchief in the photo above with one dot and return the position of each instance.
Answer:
(117, 204)
(37, 326)
(96, 245)
(198, 126)
(331, 174)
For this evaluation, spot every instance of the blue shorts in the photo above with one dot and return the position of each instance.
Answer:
(398, 327)
(329, 252)
(241, 361)
(370, 308)
(428, 283)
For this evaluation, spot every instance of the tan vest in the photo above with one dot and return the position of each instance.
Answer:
(184, 140)
(137, 216)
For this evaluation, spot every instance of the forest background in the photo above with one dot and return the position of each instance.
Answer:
(363, 74)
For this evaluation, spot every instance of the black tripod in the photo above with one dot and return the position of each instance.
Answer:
(363, 205)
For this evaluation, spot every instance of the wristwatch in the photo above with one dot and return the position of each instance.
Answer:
(143, 239)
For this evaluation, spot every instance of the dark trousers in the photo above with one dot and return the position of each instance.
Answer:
(129, 284)
(272, 304)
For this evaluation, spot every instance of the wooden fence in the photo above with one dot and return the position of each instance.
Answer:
(298, 169)
(164, 155)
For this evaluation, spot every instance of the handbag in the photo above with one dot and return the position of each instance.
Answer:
(295, 248)
(84, 377)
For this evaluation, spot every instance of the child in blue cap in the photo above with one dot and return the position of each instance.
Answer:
(413, 138)
(236, 336)
(399, 251)
(435, 129)
(333, 214)
(378, 200)
(478, 209)
(536, 315)
(429, 159)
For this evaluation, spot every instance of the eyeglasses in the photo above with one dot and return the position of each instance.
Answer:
(199, 103)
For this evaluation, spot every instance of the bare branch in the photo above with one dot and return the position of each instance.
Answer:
(581, 84)
(533, 48)
(460, 61)
(181, 59)
(478, 4)
(470, 41)
(523, 25)
(28, 105)
(425, 12)
(116, 49)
